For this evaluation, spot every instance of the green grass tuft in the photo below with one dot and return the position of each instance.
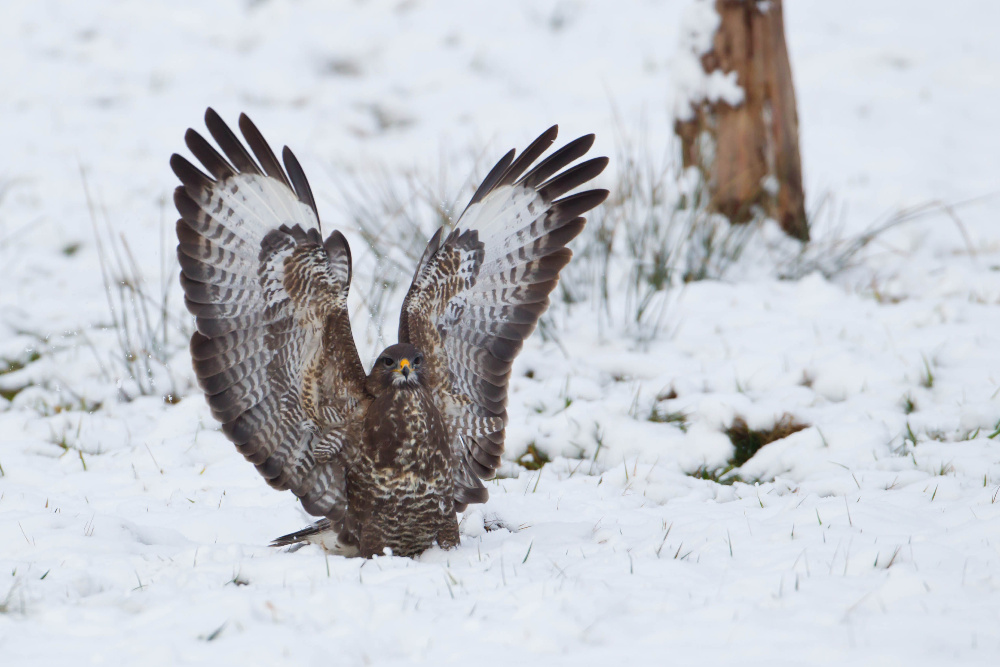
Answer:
(748, 441)
(675, 417)
(723, 475)
(532, 459)
(12, 365)
(928, 379)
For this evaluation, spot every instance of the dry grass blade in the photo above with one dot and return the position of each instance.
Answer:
(142, 322)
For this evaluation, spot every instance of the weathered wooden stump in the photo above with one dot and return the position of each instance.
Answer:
(749, 152)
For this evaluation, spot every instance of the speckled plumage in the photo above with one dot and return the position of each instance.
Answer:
(402, 485)
(386, 458)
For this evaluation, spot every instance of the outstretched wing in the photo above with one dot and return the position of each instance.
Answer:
(273, 349)
(479, 291)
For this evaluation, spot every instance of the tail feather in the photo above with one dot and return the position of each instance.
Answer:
(321, 533)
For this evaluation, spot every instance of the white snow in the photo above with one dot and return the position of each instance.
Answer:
(688, 79)
(132, 532)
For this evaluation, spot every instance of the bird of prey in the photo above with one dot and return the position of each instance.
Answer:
(387, 458)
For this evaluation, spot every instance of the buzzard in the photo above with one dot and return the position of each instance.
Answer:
(387, 457)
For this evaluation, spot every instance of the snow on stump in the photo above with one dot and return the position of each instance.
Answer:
(736, 117)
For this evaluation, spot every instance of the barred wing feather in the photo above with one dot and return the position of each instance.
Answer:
(478, 293)
(273, 349)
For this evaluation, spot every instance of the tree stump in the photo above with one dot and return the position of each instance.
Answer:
(748, 153)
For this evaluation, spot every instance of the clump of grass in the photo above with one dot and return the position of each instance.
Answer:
(70, 442)
(147, 333)
(653, 233)
(9, 387)
(833, 252)
(660, 415)
(656, 232)
(532, 459)
(748, 442)
(14, 602)
(720, 475)
(944, 469)
(10, 393)
(909, 405)
(667, 394)
(927, 380)
(238, 580)
(140, 322)
(12, 365)
(75, 403)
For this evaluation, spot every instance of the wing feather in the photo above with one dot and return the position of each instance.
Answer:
(273, 350)
(262, 151)
(230, 144)
(298, 177)
(210, 158)
(528, 156)
(471, 319)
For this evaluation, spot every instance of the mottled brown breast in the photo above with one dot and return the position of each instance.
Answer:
(401, 487)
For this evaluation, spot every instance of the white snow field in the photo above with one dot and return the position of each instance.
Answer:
(132, 532)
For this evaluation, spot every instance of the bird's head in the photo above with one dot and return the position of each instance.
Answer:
(399, 365)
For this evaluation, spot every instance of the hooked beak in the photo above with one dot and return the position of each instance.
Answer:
(404, 367)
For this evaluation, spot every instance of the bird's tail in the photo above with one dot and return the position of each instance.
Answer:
(321, 533)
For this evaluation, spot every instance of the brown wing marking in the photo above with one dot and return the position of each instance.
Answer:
(273, 349)
(476, 326)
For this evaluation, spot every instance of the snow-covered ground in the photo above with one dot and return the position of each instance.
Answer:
(131, 532)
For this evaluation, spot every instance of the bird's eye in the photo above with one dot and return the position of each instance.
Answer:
(417, 359)
(387, 361)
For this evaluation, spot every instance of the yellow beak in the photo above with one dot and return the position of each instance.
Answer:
(403, 363)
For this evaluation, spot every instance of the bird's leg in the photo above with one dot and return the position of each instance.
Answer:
(448, 537)
(447, 534)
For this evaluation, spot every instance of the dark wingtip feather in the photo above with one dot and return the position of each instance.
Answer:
(299, 181)
(186, 207)
(261, 149)
(210, 158)
(230, 143)
(493, 177)
(188, 174)
(528, 156)
(561, 158)
(566, 233)
(573, 177)
(580, 203)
